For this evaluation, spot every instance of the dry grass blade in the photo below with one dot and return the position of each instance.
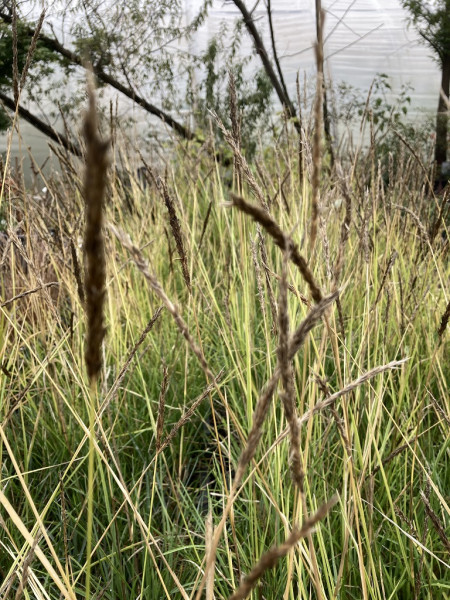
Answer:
(15, 65)
(123, 371)
(420, 226)
(66, 592)
(27, 293)
(345, 232)
(439, 527)
(7, 586)
(263, 403)
(161, 406)
(205, 225)
(315, 314)
(391, 456)
(190, 411)
(208, 544)
(351, 386)
(390, 264)
(439, 409)
(265, 264)
(31, 50)
(270, 559)
(25, 570)
(291, 288)
(176, 231)
(258, 278)
(62, 497)
(262, 217)
(444, 321)
(326, 245)
(330, 400)
(445, 206)
(235, 118)
(365, 238)
(324, 388)
(287, 375)
(142, 265)
(413, 538)
(77, 271)
(419, 572)
(259, 415)
(30, 264)
(94, 192)
(416, 156)
(241, 163)
(317, 144)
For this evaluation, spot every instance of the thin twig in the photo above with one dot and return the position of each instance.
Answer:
(28, 292)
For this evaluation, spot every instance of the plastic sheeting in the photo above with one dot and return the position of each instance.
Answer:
(362, 38)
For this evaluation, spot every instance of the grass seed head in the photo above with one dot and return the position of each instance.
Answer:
(94, 245)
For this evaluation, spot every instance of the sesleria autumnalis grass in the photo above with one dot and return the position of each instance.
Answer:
(214, 439)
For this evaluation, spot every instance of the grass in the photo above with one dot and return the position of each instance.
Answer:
(192, 338)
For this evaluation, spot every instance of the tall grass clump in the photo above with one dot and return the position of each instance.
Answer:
(267, 417)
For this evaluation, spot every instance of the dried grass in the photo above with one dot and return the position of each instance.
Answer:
(175, 227)
(444, 321)
(287, 376)
(262, 217)
(155, 285)
(262, 406)
(270, 559)
(27, 270)
(161, 407)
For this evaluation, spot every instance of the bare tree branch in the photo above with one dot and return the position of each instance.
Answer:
(274, 47)
(262, 53)
(54, 45)
(43, 127)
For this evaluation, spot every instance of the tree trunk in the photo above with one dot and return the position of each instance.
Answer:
(442, 114)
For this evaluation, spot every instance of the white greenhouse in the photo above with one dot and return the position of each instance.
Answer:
(362, 38)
